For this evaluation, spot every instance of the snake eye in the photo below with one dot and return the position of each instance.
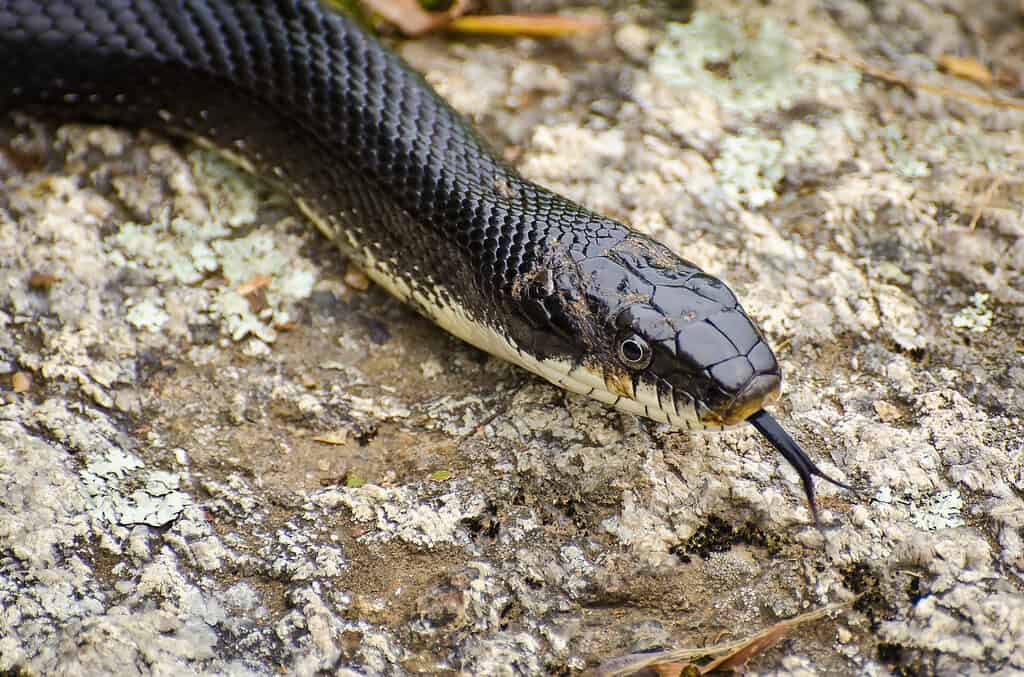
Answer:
(634, 352)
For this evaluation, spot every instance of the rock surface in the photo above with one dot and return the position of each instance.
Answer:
(218, 456)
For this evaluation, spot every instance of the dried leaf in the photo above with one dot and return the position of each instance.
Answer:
(889, 76)
(254, 283)
(410, 18)
(966, 67)
(737, 660)
(21, 381)
(736, 654)
(356, 279)
(15, 161)
(886, 411)
(669, 669)
(336, 438)
(42, 281)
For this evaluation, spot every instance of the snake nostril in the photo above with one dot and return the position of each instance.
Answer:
(762, 388)
(758, 392)
(732, 376)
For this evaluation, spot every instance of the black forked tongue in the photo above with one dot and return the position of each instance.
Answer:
(796, 456)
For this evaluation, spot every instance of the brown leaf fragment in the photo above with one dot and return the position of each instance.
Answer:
(42, 281)
(966, 67)
(736, 654)
(886, 411)
(254, 290)
(986, 199)
(738, 658)
(254, 283)
(669, 669)
(411, 19)
(21, 381)
(13, 161)
(356, 279)
(336, 438)
(1010, 78)
(287, 325)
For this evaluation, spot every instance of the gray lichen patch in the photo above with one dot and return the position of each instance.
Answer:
(423, 519)
(743, 77)
(747, 70)
(207, 243)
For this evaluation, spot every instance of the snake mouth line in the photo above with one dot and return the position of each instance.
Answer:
(760, 392)
(650, 399)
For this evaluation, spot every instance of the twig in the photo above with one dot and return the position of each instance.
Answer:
(535, 25)
(895, 78)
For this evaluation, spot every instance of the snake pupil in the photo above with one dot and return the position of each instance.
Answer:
(635, 352)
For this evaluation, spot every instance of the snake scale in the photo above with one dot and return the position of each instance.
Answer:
(408, 190)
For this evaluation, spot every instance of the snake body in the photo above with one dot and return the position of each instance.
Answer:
(406, 188)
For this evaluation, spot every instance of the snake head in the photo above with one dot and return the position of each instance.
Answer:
(640, 328)
(654, 335)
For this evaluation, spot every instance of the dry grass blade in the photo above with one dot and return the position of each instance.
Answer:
(731, 656)
(412, 20)
(986, 199)
(535, 25)
(966, 67)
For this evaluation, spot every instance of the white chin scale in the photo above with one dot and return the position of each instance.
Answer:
(592, 383)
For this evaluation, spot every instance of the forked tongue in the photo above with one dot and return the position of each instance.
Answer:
(796, 456)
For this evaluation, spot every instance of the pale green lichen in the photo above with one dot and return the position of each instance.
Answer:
(147, 315)
(750, 165)
(902, 155)
(172, 250)
(947, 142)
(239, 320)
(231, 193)
(121, 490)
(976, 317)
(759, 72)
(746, 76)
(259, 255)
(157, 504)
(944, 510)
(187, 251)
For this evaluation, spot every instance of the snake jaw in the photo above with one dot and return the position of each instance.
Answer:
(761, 391)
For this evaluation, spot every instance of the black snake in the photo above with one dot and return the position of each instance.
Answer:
(388, 170)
